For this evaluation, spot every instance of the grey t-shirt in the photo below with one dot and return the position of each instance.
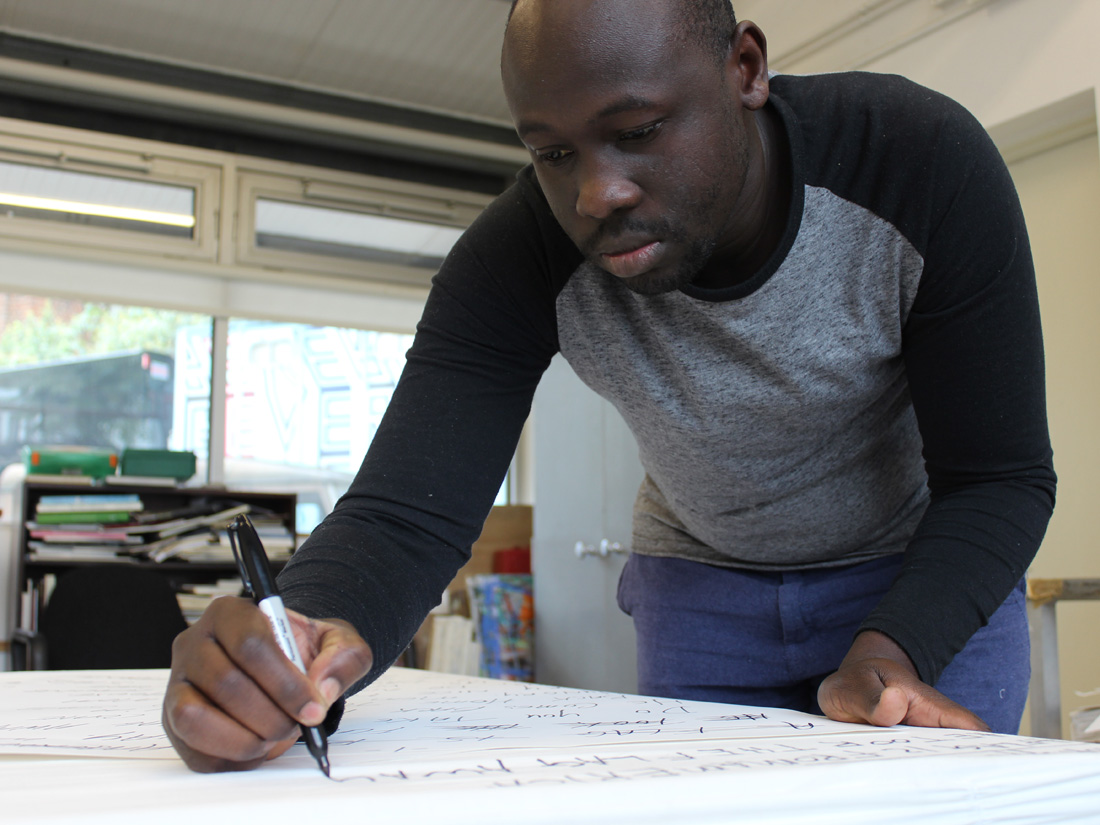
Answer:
(775, 429)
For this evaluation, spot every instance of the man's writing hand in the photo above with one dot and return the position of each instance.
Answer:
(234, 700)
(877, 684)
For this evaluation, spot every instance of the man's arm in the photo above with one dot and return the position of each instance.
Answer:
(405, 526)
(974, 359)
(379, 562)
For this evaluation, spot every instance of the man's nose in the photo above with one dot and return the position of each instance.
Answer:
(604, 190)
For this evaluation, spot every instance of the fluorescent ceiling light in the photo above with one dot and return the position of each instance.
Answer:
(99, 210)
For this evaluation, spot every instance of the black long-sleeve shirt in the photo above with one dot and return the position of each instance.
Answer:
(877, 387)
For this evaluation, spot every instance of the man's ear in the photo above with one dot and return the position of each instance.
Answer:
(747, 64)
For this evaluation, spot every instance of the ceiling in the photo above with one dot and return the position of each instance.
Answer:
(439, 55)
(331, 66)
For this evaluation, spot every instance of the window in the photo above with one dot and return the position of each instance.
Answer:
(303, 402)
(39, 193)
(96, 375)
(63, 189)
(302, 405)
(365, 229)
(161, 243)
(340, 233)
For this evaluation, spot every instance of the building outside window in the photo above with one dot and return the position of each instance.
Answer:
(91, 374)
(302, 404)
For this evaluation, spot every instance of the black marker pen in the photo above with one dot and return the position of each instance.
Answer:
(256, 574)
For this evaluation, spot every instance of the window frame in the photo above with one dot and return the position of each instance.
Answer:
(361, 194)
(124, 163)
(219, 271)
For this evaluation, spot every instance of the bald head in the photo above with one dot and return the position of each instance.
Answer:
(706, 23)
(644, 143)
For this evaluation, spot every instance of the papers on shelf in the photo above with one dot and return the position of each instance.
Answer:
(193, 534)
(40, 551)
(195, 598)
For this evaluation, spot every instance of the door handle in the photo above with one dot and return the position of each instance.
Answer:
(604, 549)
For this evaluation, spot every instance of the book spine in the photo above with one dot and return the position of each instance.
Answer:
(102, 517)
(87, 504)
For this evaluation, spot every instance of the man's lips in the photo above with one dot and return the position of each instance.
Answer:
(629, 263)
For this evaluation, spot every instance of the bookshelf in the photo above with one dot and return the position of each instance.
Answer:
(171, 529)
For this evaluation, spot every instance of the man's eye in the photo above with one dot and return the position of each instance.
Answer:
(641, 133)
(553, 157)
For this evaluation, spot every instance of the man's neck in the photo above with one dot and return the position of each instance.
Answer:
(742, 259)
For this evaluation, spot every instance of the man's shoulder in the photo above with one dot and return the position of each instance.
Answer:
(871, 108)
(884, 142)
(861, 134)
(849, 92)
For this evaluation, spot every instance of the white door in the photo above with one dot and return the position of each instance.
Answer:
(586, 476)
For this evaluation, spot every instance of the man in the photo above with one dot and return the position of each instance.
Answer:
(812, 299)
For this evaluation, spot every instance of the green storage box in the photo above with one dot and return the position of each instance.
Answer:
(176, 464)
(69, 461)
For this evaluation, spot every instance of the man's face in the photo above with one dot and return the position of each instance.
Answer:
(638, 139)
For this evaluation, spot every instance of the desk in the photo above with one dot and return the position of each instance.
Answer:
(425, 747)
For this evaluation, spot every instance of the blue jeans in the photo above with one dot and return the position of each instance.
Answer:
(768, 639)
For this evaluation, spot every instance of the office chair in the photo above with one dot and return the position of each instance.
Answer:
(110, 617)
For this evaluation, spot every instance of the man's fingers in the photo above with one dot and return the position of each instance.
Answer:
(864, 699)
(878, 692)
(228, 686)
(244, 672)
(341, 658)
(892, 708)
(234, 699)
(259, 666)
(929, 708)
(206, 738)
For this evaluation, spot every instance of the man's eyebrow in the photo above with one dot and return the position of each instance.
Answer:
(524, 127)
(628, 103)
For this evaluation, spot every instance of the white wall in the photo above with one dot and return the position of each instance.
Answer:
(999, 58)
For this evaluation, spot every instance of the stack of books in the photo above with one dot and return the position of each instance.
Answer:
(83, 527)
(77, 509)
(72, 528)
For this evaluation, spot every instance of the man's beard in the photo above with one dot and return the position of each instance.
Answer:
(697, 252)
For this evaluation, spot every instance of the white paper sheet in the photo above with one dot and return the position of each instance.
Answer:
(425, 747)
(117, 713)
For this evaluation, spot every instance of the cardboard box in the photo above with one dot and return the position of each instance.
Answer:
(507, 527)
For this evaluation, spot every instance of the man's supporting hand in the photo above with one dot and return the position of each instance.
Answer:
(877, 684)
(234, 700)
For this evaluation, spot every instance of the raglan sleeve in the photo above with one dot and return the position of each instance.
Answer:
(394, 541)
(973, 352)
